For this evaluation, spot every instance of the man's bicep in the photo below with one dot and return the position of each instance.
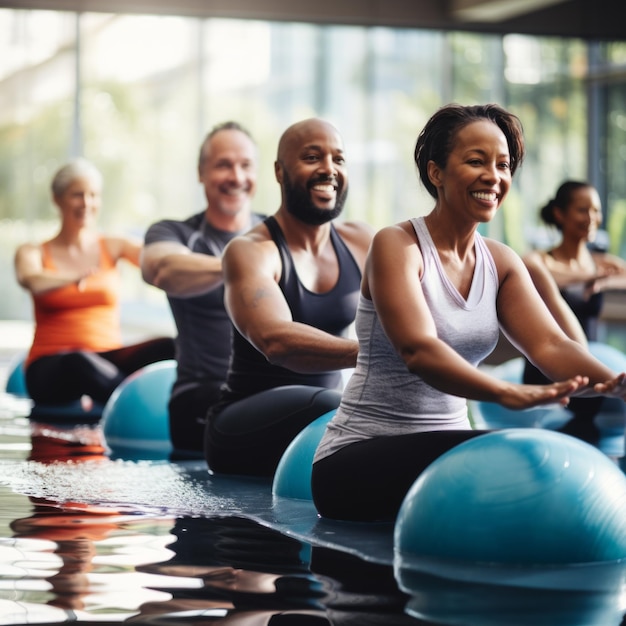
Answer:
(153, 254)
(253, 299)
(259, 312)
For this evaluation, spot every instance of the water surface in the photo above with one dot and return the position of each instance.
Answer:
(88, 538)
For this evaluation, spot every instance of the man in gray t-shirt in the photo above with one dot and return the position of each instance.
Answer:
(184, 259)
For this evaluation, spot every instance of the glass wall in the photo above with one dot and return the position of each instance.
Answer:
(137, 94)
(612, 169)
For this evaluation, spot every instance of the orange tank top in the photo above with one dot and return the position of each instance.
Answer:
(71, 319)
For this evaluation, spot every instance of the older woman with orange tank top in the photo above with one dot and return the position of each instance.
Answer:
(74, 282)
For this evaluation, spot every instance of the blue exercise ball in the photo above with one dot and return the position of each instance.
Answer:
(490, 415)
(610, 356)
(135, 420)
(522, 497)
(611, 418)
(292, 478)
(16, 380)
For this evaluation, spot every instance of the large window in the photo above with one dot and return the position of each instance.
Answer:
(137, 94)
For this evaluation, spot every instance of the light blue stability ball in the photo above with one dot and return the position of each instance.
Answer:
(516, 497)
(610, 356)
(490, 415)
(135, 420)
(616, 360)
(612, 414)
(292, 478)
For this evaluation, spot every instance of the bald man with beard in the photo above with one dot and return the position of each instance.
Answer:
(291, 288)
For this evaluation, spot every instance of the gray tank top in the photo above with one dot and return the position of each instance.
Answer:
(382, 397)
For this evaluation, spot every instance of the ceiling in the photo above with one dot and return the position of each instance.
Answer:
(586, 19)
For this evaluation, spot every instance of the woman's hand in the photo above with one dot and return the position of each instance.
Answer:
(614, 388)
(520, 397)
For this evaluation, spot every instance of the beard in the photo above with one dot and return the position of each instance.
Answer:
(299, 204)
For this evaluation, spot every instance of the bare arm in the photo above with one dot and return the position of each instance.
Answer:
(393, 282)
(528, 323)
(32, 276)
(550, 294)
(178, 271)
(261, 314)
(124, 248)
(608, 274)
(611, 273)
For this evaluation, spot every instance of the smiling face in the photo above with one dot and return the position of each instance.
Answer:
(582, 216)
(477, 175)
(311, 170)
(79, 203)
(227, 172)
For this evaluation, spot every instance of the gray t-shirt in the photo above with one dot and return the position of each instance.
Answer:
(204, 328)
(382, 397)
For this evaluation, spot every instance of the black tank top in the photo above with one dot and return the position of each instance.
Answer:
(587, 310)
(333, 312)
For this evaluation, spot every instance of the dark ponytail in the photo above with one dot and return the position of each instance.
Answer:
(561, 200)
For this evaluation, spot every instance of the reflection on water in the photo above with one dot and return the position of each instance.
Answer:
(454, 602)
(52, 443)
(75, 548)
(79, 562)
(82, 564)
(240, 568)
(84, 538)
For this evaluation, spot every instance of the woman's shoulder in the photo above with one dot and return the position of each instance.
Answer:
(400, 230)
(536, 258)
(504, 257)
(499, 248)
(30, 246)
(29, 249)
(397, 243)
(121, 247)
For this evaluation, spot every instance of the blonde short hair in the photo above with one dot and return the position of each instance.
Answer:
(77, 168)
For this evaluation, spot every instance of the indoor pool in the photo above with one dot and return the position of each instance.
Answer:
(88, 538)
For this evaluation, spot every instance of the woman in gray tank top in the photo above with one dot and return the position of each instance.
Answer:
(434, 297)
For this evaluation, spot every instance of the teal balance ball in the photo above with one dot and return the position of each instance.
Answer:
(522, 497)
(135, 420)
(292, 478)
(491, 416)
(611, 419)
(16, 380)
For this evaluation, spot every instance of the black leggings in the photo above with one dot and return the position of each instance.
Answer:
(367, 481)
(65, 377)
(187, 413)
(249, 436)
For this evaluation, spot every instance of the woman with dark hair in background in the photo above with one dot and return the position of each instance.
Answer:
(581, 275)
